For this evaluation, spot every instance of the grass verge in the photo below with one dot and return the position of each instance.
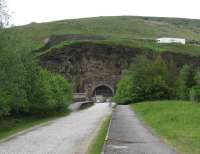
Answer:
(11, 125)
(177, 122)
(98, 143)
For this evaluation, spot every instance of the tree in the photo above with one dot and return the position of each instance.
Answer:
(195, 90)
(146, 80)
(4, 16)
(124, 90)
(25, 88)
(51, 93)
(186, 81)
(12, 80)
(151, 79)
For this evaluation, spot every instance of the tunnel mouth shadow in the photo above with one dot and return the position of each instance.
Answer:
(103, 90)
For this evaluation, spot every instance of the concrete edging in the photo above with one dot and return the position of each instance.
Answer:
(108, 131)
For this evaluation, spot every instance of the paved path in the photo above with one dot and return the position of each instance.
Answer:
(128, 136)
(67, 135)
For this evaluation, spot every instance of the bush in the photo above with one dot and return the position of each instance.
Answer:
(185, 83)
(124, 90)
(145, 80)
(4, 104)
(195, 94)
(195, 90)
(47, 93)
(197, 78)
(12, 80)
(54, 94)
(25, 88)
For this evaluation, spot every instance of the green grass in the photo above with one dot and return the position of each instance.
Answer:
(192, 50)
(11, 125)
(127, 30)
(97, 145)
(177, 122)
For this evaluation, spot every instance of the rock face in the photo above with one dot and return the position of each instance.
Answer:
(90, 65)
(93, 65)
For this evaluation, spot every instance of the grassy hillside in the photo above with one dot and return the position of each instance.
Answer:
(129, 30)
(176, 121)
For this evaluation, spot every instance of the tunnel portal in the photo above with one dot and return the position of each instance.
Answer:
(103, 90)
(92, 68)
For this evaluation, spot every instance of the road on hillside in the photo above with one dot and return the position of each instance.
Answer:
(68, 135)
(127, 135)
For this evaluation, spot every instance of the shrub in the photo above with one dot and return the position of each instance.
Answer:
(195, 94)
(146, 80)
(195, 90)
(197, 78)
(124, 90)
(53, 95)
(12, 81)
(186, 81)
(25, 88)
(4, 104)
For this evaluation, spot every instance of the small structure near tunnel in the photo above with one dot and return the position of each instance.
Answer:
(171, 40)
(79, 97)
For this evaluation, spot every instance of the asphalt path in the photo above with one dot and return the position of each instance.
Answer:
(127, 135)
(68, 135)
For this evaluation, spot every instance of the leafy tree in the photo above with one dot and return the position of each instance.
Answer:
(195, 90)
(47, 93)
(197, 78)
(124, 90)
(25, 88)
(146, 80)
(151, 79)
(186, 81)
(54, 94)
(12, 81)
(4, 104)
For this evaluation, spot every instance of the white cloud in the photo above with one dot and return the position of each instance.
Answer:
(26, 11)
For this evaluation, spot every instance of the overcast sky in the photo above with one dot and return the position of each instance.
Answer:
(26, 11)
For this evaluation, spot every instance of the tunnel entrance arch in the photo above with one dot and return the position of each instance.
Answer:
(103, 90)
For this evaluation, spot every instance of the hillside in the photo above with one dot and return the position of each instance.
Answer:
(129, 30)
